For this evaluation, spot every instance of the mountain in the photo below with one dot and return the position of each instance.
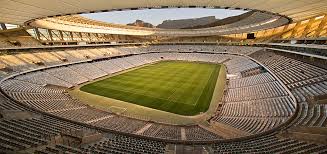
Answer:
(140, 23)
(225, 21)
(194, 23)
(187, 23)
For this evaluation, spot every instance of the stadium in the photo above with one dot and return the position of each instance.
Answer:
(252, 82)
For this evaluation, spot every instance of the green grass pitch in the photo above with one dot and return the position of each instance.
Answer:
(179, 87)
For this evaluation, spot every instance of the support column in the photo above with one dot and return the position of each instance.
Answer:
(37, 32)
(50, 34)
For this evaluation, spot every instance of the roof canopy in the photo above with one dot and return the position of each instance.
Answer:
(20, 11)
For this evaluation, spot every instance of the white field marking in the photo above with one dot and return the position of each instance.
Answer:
(147, 95)
(203, 88)
(130, 91)
(169, 100)
(174, 90)
(166, 99)
(196, 102)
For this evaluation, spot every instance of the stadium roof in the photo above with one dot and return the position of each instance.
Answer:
(20, 11)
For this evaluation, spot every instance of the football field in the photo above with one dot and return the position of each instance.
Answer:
(179, 87)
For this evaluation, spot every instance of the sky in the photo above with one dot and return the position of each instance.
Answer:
(156, 16)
